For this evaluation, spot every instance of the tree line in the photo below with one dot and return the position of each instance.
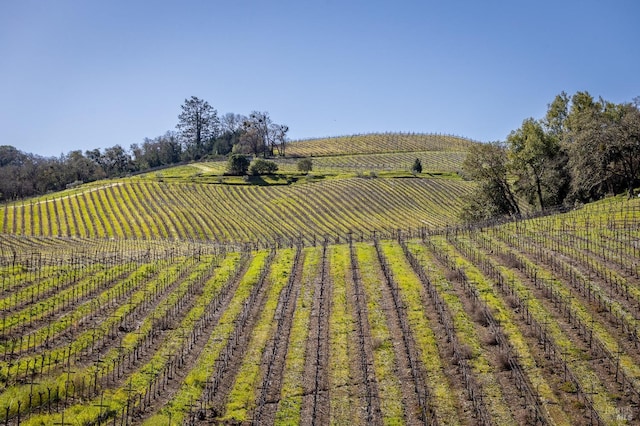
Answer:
(199, 134)
(582, 150)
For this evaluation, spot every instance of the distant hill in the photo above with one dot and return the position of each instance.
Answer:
(374, 143)
(359, 184)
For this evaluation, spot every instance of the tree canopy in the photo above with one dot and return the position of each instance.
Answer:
(199, 134)
(582, 150)
(198, 125)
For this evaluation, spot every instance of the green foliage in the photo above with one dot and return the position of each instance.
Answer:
(487, 163)
(538, 163)
(305, 165)
(198, 123)
(603, 146)
(238, 165)
(262, 167)
(582, 150)
(417, 166)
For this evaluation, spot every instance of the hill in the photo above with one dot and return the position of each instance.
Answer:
(528, 322)
(345, 193)
(373, 143)
(244, 213)
(184, 296)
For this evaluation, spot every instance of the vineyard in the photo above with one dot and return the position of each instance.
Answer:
(528, 322)
(374, 143)
(173, 298)
(238, 214)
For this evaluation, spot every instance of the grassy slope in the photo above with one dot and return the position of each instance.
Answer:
(602, 236)
(196, 202)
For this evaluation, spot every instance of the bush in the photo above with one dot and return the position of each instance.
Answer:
(305, 165)
(238, 164)
(263, 167)
(417, 166)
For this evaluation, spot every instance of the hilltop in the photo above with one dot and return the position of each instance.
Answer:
(374, 143)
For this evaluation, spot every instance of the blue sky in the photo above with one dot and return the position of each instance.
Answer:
(92, 74)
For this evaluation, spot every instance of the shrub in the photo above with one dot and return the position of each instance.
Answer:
(417, 166)
(305, 165)
(237, 164)
(263, 167)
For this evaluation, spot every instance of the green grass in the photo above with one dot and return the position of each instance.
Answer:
(468, 335)
(423, 334)
(194, 382)
(244, 391)
(189, 211)
(384, 358)
(344, 407)
(290, 404)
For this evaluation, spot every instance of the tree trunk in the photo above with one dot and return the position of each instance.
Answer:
(539, 191)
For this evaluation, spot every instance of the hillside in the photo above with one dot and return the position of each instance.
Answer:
(345, 193)
(183, 296)
(224, 213)
(531, 322)
(373, 143)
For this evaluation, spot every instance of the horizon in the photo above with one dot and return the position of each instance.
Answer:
(82, 76)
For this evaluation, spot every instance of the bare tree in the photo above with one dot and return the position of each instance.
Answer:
(271, 135)
(232, 123)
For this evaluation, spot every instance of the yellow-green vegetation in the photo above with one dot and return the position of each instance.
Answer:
(20, 393)
(190, 211)
(104, 286)
(244, 391)
(368, 174)
(290, 405)
(195, 381)
(435, 163)
(344, 407)
(373, 143)
(516, 339)
(84, 340)
(49, 306)
(468, 336)
(504, 316)
(573, 355)
(411, 293)
(384, 357)
(57, 278)
(141, 379)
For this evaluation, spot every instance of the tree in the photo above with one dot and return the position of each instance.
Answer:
(232, 123)
(81, 169)
(116, 161)
(417, 166)
(262, 167)
(198, 125)
(278, 138)
(266, 134)
(604, 146)
(556, 118)
(305, 165)
(536, 161)
(487, 163)
(251, 141)
(237, 164)
(159, 151)
(232, 131)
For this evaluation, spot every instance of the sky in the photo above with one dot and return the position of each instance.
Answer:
(82, 74)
